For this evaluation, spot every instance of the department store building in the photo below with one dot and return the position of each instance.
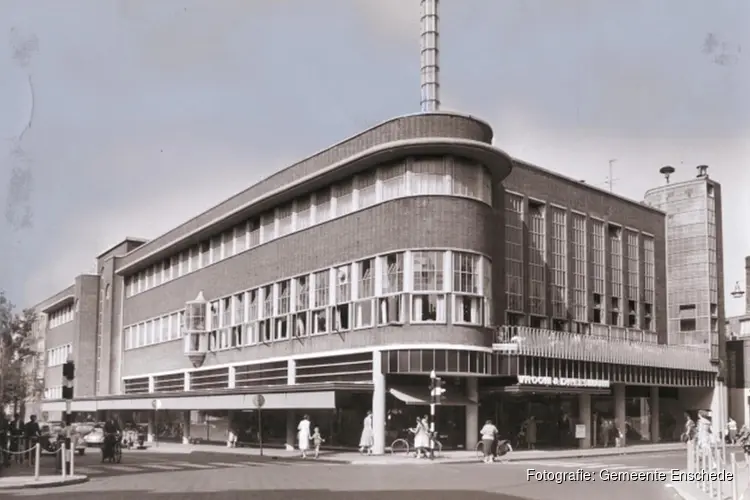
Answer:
(336, 285)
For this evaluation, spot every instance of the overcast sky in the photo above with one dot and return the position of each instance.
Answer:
(148, 112)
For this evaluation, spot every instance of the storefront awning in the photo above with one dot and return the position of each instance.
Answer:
(421, 397)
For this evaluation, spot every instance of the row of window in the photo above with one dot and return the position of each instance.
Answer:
(417, 177)
(624, 306)
(61, 316)
(363, 294)
(57, 356)
(53, 392)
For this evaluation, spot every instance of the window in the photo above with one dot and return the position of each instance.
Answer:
(579, 269)
(366, 185)
(283, 310)
(428, 271)
(304, 213)
(323, 205)
(559, 264)
(343, 297)
(214, 315)
(127, 331)
(253, 314)
(205, 250)
(428, 308)
(301, 306)
(240, 237)
(465, 179)
(514, 252)
(267, 227)
(284, 216)
(164, 329)
(393, 273)
(615, 249)
(238, 316)
(321, 301)
(195, 259)
(174, 326)
(468, 304)
(365, 305)
(266, 324)
(688, 325)
(253, 228)
(393, 181)
(428, 176)
(649, 274)
(226, 312)
(537, 259)
(597, 258)
(228, 244)
(344, 194)
(216, 250)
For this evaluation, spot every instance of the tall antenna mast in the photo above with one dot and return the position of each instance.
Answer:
(430, 66)
(611, 179)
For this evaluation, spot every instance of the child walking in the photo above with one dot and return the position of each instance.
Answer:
(317, 441)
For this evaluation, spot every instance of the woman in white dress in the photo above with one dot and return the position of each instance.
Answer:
(367, 439)
(704, 430)
(422, 437)
(303, 435)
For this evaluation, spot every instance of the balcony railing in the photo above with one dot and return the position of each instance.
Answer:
(598, 347)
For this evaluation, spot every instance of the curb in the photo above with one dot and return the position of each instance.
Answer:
(36, 485)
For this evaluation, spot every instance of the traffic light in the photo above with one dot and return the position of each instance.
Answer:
(437, 389)
(69, 373)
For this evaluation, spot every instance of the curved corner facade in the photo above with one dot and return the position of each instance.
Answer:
(338, 284)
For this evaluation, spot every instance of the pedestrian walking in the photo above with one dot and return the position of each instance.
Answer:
(303, 435)
(488, 434)
(732, 431)
(317, 440)
(367, 438)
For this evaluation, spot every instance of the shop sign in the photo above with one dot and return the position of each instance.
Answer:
(581, 431)
(564, 382)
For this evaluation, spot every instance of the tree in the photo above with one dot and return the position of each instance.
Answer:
(18, 356)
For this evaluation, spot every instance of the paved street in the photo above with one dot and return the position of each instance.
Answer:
(243, 477)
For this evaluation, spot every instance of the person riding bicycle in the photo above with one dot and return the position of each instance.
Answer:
(111, 435)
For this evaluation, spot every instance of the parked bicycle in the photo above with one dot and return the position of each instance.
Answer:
(402, 446)
(502, 448)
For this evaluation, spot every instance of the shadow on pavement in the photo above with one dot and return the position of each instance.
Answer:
(278, 495)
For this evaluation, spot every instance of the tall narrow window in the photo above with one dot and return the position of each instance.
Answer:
(284, 215)
(428, 300)
(468, 306)
(599, 273)
(267, 227)
(537, 261)
(301, 306)
(580, 315)
(614, 234)
(321, 301)
(649, 278)
(227, 243)
(365, 305)
(514, 252)
(240, 237)
(323, 205)
(633, 275)
(283, 309)
(390, 305)
(366, 184)
(304, 212)
(559, 267)
(344, 193)
(254, 229)
(266, 324)
(394, 181)
(428, 176)
(253, 315)
(342, 309)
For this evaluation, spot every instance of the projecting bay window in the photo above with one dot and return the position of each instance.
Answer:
(304, 213)
(391, 302)
(468, 302)
(266, 322)
(342, 299)
(428, 280)
(300, 319)
(364, 307)
(267, 227)
(283, 305)
(284, 217)
(253, 316)
(321, 301)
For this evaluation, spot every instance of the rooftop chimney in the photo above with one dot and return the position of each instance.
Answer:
(430, 66)
(702, 171)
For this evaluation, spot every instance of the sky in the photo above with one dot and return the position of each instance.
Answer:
(126, 118)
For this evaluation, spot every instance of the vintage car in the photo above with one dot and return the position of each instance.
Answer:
(94, 438)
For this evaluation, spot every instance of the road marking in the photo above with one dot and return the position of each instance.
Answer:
(124, 468)
(551, 463)
(617, 467)
(251, 464)
(189, 465)
(88, 471)
(225, 464)
(159, 466)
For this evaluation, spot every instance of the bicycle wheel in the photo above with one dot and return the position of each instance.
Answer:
(503, 448)
(118, 453)
(438, 448)
(400, 447)
(480, 450)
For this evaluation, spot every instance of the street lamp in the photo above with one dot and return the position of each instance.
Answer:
(738, 292)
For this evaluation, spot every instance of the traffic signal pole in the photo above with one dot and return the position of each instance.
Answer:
(433, 405)
(68, 380)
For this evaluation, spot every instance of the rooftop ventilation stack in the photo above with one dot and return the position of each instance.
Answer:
(666, 171)
(430, 66)
(702, 171)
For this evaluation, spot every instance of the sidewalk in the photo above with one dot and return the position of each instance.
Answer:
(24, 482)
(459, 456)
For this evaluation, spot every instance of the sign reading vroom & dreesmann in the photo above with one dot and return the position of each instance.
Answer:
(563, 382)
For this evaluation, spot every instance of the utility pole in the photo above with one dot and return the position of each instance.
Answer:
(611, 179)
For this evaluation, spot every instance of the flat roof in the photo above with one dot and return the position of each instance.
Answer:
(125, 240)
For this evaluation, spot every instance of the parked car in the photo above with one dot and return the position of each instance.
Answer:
(94, 438)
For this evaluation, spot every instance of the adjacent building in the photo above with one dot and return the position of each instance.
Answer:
(337, 285)
(738, 356)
